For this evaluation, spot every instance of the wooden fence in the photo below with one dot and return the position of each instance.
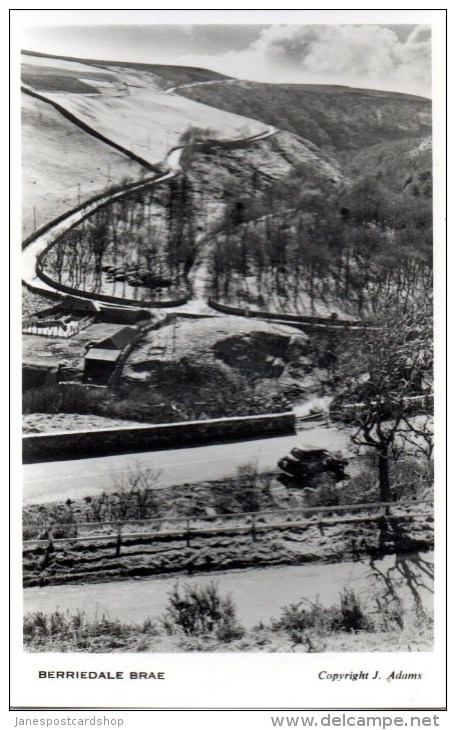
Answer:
(218, 524)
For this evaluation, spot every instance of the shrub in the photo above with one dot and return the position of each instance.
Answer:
(202, 611)
(412, 478)
(307, 622)
(351, 616)
(301, 617)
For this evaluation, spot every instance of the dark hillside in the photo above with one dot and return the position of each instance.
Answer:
(337, 119)
(404, 166)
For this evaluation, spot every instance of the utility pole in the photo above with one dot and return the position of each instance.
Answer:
(79, 193)
(34, 218)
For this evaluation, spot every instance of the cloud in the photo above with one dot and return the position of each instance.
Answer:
(371, 55)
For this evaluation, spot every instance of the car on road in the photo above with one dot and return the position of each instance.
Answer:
(305, 465)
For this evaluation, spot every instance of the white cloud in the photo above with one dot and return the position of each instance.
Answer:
(369, 55)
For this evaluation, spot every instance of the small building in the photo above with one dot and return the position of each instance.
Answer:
(119, 339)
(101, 358)
(99, 364)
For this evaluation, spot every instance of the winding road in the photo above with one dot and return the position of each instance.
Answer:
(60, 480)
(173, 89)
(135, 600)
(42, 241)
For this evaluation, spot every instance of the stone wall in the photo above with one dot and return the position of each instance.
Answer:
(311, 322)
(177, 302)
(81, 444)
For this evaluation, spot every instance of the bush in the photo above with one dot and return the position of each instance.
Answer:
(412, 478)
(201, 611)
(351, 616)
(307, 621)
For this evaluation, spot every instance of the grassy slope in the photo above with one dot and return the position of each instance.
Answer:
(250, 169)
(192, 356)
(95, 562)
(56, 156)
(173, 74)
(334, 118)
(128, 105)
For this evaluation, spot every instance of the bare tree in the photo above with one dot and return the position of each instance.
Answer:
(384, 374)
(136, 492)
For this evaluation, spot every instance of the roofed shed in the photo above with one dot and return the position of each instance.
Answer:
(119, 339)
(99, 364)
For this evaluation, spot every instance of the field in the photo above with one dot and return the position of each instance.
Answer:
(63, 165)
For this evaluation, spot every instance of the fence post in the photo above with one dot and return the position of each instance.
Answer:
(119, 539)
(253, 528)
(187, 532)
(50, 537)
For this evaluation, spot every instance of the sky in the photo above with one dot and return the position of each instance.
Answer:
(391, 57)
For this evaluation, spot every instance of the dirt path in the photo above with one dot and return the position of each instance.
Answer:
(199, 274)
(173, 89)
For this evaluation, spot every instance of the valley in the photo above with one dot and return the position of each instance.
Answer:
(206, 249)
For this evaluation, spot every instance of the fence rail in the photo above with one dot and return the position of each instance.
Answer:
(242, 522)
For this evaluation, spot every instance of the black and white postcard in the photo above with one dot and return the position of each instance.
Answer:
(229, 242)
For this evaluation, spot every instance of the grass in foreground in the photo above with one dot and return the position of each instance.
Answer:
(200, 619)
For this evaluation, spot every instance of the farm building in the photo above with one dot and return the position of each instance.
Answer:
(99, 364)
(101, 358)
(119, 339)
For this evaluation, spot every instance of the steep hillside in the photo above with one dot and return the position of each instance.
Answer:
(128, 105)
(63, 165)
(334, 118)
(221, 176)
(404, 166)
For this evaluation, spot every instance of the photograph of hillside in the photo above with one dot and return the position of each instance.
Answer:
(227, 280)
